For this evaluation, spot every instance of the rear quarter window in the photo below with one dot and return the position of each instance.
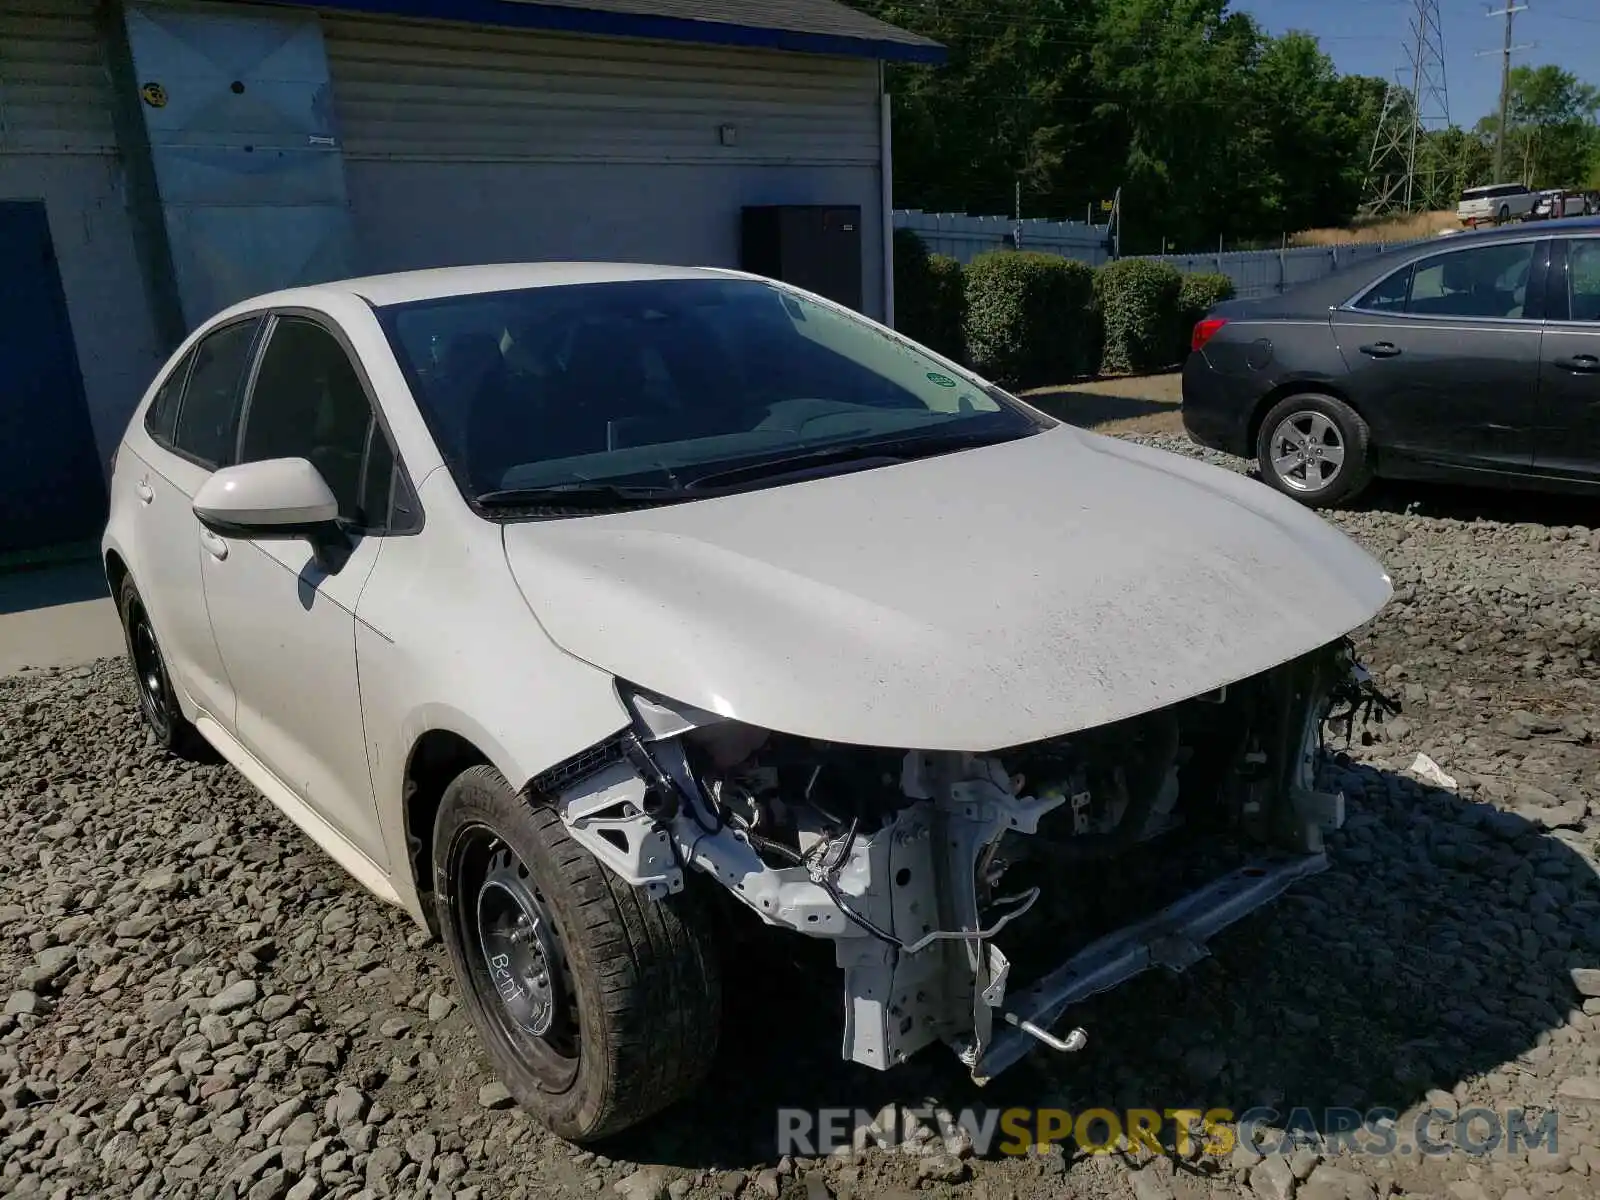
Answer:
(161, 418)
(1390, 293)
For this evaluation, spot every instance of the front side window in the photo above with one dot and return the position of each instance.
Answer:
(663, 382)
(208, 418)
(308, 402)
(1583, 280)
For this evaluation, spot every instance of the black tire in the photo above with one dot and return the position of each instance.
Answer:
(1324, 423)
(158, 703)
(634, 995)
(1505, 214)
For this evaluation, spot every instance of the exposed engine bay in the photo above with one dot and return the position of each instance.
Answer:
(923, 867)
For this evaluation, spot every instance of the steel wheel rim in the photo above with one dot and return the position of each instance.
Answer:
(1307, 451)
(148, 671)
(516, 958)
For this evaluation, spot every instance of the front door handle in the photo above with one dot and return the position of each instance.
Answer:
(215, 546)
(1380, 349)
(1582, 364)
(144, 491)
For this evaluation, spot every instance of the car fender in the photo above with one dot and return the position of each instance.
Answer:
(446, 642)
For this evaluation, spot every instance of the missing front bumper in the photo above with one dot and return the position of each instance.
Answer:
(1175, 938)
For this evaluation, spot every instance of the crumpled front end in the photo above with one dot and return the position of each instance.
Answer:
(939, 875)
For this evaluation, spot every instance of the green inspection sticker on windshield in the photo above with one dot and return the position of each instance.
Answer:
(941, 380)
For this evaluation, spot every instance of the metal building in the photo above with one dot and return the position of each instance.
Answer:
(160, 159)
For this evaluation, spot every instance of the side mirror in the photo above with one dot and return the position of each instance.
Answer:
(276, 498)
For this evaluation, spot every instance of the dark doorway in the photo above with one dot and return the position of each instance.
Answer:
(52, 488)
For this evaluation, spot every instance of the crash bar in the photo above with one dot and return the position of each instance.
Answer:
(1174, 937)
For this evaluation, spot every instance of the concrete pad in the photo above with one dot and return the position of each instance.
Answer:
(56, 617)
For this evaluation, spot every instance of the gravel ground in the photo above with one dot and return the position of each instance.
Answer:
(198, 1003)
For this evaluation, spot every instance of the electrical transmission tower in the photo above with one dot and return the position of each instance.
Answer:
(1405, 172)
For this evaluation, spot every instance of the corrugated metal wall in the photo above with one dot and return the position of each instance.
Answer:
(438, 92)
(462, 145)
(471, 145)
(58, 144)
(55, 92)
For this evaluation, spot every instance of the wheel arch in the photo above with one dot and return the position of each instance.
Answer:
(435, 758)
(116, 569)
(1298, 387)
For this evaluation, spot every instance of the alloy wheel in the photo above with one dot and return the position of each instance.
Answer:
(1307, 451)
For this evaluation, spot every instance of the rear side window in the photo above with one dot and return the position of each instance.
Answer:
(1489, 282)
(208, 419)
(161, 418)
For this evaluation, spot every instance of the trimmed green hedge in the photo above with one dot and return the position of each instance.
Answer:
(1199, 295)
(1026, 319)
(1139, 304)
(930, 300)
(1030, 318)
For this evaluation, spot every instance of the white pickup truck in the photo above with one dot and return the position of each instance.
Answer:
(1496, 203)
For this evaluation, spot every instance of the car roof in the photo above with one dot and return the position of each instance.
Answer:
(1316, 296)
(1520, 230)
(403, 287)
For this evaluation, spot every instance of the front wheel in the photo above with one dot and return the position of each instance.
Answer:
(1316, 449)
(598, 1005)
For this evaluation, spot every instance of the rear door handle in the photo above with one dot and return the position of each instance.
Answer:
(144, 491)
(1582, 364)
(1380, 349)
(215, 546)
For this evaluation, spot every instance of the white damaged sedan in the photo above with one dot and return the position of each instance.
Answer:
(562, 604)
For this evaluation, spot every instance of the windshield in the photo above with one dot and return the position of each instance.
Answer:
(660, 382)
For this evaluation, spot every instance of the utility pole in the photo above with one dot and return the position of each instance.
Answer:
(1509, 12)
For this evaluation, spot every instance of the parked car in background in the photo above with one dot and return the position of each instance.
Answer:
(1496, 203)
(1475, 360)
(566, 605)
(1559, 202)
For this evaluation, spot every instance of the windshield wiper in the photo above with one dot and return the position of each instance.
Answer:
(886, 453)
(578, 495)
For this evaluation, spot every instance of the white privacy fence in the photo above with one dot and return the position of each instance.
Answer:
(963, 238)
(1269, 272)
(1254, 272)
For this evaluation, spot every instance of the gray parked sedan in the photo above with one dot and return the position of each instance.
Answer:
(1476, 360)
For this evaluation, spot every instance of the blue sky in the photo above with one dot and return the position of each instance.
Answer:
(1367, 37)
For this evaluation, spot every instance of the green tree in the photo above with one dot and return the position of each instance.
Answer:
(1175, 77)
(1211, 127)
(1318, 130)
(999, 112)
(1552, 138)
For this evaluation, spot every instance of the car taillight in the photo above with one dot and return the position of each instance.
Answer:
(1205, 330)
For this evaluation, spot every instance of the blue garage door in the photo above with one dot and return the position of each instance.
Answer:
(52, 488)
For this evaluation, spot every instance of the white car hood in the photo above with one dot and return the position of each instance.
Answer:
(970, 601)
